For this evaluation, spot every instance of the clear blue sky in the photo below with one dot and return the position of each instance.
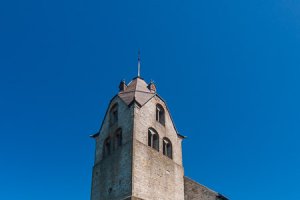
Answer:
(229, 71)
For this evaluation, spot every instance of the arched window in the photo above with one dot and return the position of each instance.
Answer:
(153, 139)
(113, 114)
(160, 114)
(118, 138)
(167, 147)
(107, 147)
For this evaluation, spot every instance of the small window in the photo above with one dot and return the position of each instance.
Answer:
(118, 138)
(107, 147)
(167, 147)
(153, 139)
(160, 114)
(113, 115)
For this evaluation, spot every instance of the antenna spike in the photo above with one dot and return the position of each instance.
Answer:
(139, 63)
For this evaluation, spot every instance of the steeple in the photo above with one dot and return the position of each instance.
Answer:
(138, 150)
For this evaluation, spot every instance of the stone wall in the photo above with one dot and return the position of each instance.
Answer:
(112, 177)
(155, 176)
(196, 191)
(145, 118)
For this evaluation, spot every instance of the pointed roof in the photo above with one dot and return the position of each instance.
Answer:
(137, 90)
(140, 92)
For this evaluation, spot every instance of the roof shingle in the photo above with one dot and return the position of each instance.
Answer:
(137, 90)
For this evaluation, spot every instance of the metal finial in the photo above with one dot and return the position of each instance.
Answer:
(139, 63)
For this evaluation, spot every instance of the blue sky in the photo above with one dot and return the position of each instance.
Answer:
(229, 71)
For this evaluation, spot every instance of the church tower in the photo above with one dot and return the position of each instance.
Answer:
(138, 150)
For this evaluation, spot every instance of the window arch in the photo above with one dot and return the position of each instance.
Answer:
(118, 138)
(167, 148)
(160, 114)
(107, 147)
(153, 139)
(113, 114)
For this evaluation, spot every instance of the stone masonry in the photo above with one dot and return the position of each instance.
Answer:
(128, 166)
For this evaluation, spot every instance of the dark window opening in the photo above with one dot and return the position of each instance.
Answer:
(107, 147)
(160, 114)
(167, 147)
(118, 138)
(113, 114)
(153, 139)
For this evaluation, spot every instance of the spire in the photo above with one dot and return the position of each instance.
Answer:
(139, 63)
